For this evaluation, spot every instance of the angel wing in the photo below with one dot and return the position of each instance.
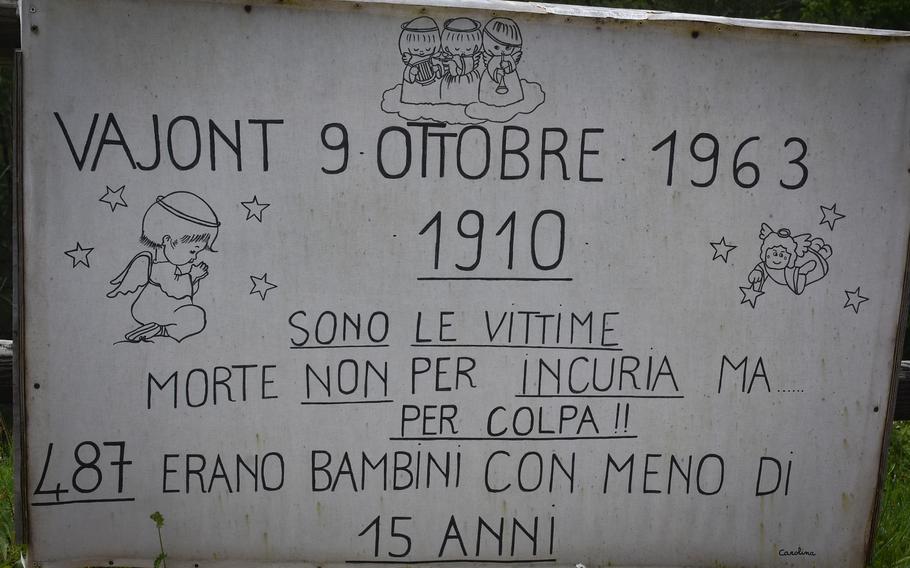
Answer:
(477, 56)
(134, 276)
(517, 56)
(802, 243)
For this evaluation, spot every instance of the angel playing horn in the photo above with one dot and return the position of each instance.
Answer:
(499, 84)
(176, 227)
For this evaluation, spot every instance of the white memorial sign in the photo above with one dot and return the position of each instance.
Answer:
(350, 283)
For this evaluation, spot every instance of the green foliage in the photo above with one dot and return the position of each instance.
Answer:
(892, 542)
(6, 202)
(11, 551)
(161, 559)
(886, 14)
(159, 520)
(763, 9)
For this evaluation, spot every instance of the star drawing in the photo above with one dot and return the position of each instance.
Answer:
(254, 209)
(722, 249)
(830, 216)
(750, 295)
(79, 255)
(854, 299)
(261, 285)
(113, 197)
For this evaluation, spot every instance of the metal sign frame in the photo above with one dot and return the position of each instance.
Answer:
(493, 7)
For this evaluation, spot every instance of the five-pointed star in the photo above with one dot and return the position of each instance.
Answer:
(750, 295)
(113, 197)
(79, 255)
(830, 216)
(261, 285)
(722, 249)
(254, 209)
(854, 299)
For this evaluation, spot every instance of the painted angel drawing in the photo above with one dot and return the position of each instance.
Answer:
(464, 74)
(176, 229)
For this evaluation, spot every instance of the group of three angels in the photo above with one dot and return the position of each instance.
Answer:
(462, 64)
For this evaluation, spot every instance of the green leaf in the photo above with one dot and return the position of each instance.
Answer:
(158, 518)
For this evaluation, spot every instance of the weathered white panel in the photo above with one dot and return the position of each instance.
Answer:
(700, 227)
